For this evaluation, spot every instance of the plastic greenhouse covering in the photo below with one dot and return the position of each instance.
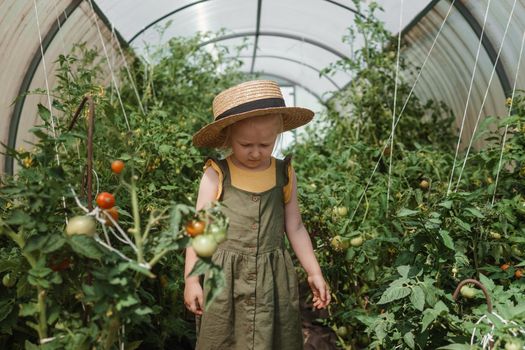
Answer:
(464, 55)
(295, 40)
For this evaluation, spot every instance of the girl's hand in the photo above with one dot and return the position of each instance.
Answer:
(320, 291)
(193, 297)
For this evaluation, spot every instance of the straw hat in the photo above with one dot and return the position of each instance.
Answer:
(249, 99)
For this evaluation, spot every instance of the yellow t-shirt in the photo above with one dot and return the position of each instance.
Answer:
(251, 181)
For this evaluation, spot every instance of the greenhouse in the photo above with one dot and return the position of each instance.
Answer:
(227, 174)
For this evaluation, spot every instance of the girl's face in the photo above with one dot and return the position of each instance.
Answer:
(252, 141)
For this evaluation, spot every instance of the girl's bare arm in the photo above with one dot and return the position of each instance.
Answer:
(192, 290)
(302, 246)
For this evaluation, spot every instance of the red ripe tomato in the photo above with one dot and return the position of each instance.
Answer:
(117, 166)
(105, 200)
(195, 228)
(113, 212)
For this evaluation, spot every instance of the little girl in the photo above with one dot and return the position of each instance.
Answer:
(259, 306)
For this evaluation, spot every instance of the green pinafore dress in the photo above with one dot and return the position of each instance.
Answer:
(259, 306)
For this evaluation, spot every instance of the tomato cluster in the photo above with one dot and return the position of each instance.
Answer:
(207, 231)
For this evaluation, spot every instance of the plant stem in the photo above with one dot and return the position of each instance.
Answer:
(475, 251)
(42, 313)
(157, 257)
(136, 219)
(112, 332)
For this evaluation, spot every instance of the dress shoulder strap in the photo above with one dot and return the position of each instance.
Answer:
(282, 170)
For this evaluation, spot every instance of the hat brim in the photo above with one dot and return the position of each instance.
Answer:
(211, 135)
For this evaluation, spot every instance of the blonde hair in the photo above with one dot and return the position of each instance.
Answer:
(227, 131)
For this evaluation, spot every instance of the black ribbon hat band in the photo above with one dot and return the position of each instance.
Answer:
(252, 105)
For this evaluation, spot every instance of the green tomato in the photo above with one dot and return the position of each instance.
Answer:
(342, 331)
(204, 245)
(8, 280)
(218, 233)
(81, 225)
(468, 292)
(342, 211)
(513, 345)
(495, 235)
(516, 250)
(356, 241)
(338, 243)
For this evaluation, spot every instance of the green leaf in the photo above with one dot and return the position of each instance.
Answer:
(403, 270)
(125, 302)
(406, 212)
(200, 267)
(28, 309)
(19, 217)
(85, 246)
(43, 112)
(30, 346)
(53, 243)
(165, 150)
(440, 307)
(35, 243)
(143, 311)
(429, 315)
(462, 224)
(214, 284)
(487, 282)
(417, 297)
(394, 293)
(475, 212)
(409, 339)
(381, 330)
(38, 282)
(40, 272)
(456, 347)
(447, 240)
(6, 306)
(134, 345)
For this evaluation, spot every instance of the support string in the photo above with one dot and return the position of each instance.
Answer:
(468, 98)
(132, 81)
(486, 94)
(109, 66)
(394, 108)
(52, 117)
(403, 108)
(50, 105)
(508, 115)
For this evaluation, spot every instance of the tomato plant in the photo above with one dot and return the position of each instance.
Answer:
(69, 290)
(418, 238)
